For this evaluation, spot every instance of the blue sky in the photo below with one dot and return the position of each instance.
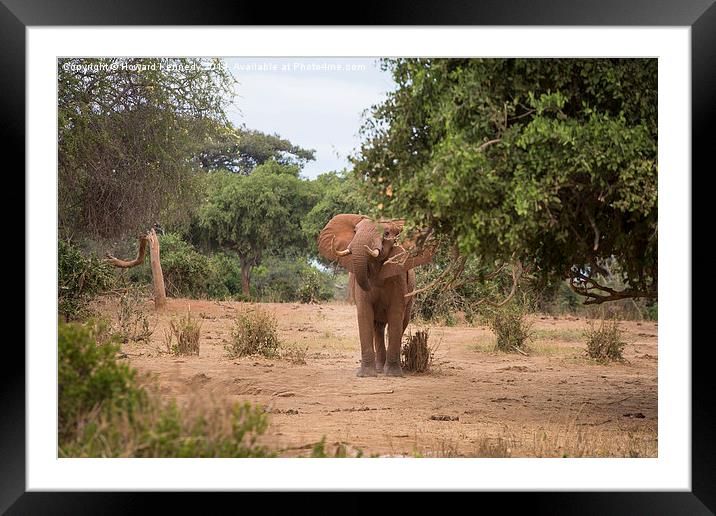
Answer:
(316, 103)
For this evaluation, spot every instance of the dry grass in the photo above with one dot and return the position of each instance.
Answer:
(417, 355)
(294, 354)
(182, 337)
(132, 322)
(605, 343)
(561, 334)
(587, 440)
(255, 333)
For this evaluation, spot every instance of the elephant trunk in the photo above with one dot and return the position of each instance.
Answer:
(360, 269)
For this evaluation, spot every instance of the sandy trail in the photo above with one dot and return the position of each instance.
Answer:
(475, 402)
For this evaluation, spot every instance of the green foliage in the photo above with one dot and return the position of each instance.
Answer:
(314, 287)
(255, 333)
(103, 413)
(554, 160)
(605, 343)
(128, 129)
(80, 279)
(652, 312)
(465, 297)
(511, 328)
(281, 280)
(89, 375)
(228, 268)
(340, 192)
(241, 150)
(257, 214)
(163, 430)
(187, 272)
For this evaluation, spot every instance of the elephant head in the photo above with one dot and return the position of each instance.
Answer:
(363, 245)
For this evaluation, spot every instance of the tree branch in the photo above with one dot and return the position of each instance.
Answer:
(126, 264)
(585, 286)
(488, 143)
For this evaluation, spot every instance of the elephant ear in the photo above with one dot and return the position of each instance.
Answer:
(336, 236)
(401, 264)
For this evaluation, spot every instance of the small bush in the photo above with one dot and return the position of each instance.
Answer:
(80, 279)
(605, 343)
(417, 356)
(314, 287)
(89, 375)
(511, 329)
(164, 430)
(183, 335)
(102, 413)
(187, 272)
(255, 333)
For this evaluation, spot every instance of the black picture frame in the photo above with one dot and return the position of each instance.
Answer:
(700, 15)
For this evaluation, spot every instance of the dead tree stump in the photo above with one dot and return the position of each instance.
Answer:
(160, 295)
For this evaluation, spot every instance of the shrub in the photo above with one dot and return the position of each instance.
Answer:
(444, 305)
(89, 375)
(652, 311)
(417, 356)
(605, 343)
(103, 414)
(228, 268)
(255, 333)
(290, 279)
(164, 430)
(187, 272)
(80, 279)
(132, 322)
(183, 335)
(314, 287)
(511, 328)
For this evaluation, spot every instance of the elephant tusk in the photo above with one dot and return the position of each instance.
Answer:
(339, 253)
(373, 252)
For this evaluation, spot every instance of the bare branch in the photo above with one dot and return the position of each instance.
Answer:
(585, 286)
(461, 266)
(431, 284)
(488, 143)
(517, 271)
(126, 264)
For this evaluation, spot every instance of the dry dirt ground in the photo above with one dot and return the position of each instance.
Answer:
(474, 403)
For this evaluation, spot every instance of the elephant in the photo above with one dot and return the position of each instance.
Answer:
(378, 286)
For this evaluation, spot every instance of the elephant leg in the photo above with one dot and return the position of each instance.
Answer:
(365, 332)
(395, 336)
(379, 340)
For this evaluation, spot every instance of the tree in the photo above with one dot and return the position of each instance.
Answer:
(127, 130)
(241, 150)
(339, 192)
(550, 164)
(257, 214)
